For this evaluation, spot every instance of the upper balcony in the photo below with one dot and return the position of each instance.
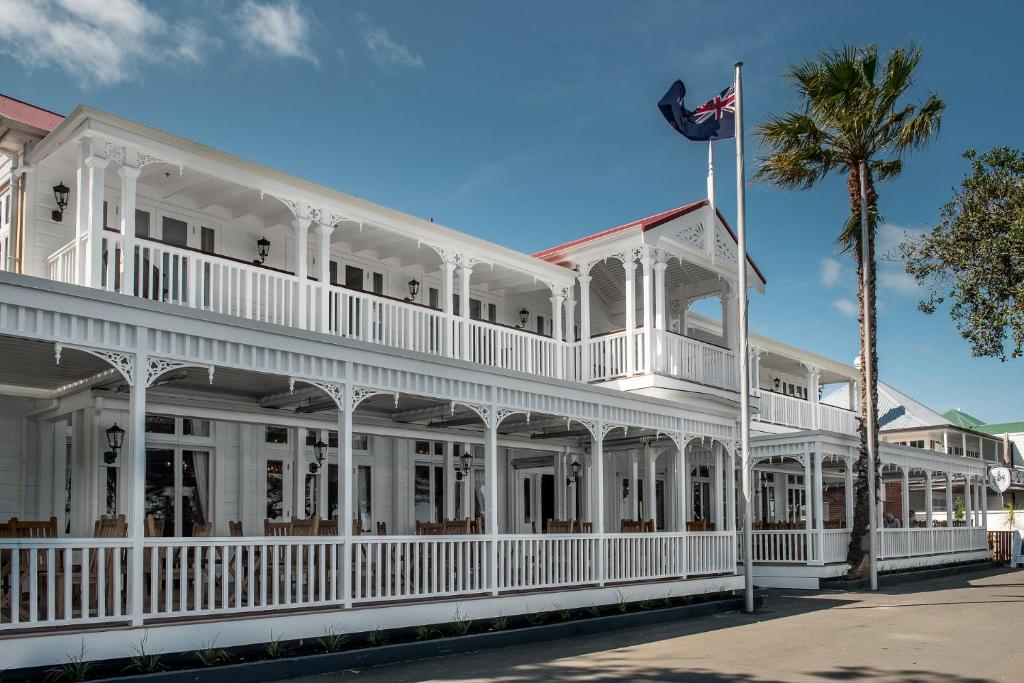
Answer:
(156, 217)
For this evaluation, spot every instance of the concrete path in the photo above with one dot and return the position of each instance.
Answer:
(960, 629)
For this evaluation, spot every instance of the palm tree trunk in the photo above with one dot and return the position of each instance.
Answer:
(861, 512)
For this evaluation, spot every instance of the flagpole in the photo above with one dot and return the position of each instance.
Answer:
(869, 379)
(741, 244)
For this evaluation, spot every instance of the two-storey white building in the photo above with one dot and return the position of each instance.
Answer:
(228, 356)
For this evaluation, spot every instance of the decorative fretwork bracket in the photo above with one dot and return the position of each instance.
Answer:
(121, 361)
(155, 367)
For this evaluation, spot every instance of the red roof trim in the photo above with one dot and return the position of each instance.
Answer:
(644, 224)
(29, 114)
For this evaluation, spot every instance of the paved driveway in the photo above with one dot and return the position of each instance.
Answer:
(951, 629)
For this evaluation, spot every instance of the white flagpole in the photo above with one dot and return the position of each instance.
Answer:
(869, 379)
(741, 244)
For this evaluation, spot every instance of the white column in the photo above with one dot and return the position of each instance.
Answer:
(660, 321)
(648, 299)
(345, 492)
(447, 289)
(808, 501)
(556, 328)
(585, 326)
(81, 212)
(491, 495)
(465, 272)
(324, 260)
(730, 489)
(449, 480)
(718, 487)
(96, 167)
(983, 495)
(682, 499)
(848, 497)
(949, 500)
(630, 304)
(301, 226)
(128, 175)
(634, 485)
(819, 506)
(569, 333)
(650, 484)
(905, 494)
(928, 498)
(813, 375)
(945, 441)
(755, 370)
(968, 502)
(560, 487)
(597, 493)
(137, 511)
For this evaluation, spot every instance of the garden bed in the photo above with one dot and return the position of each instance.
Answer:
(335, 651)
(907, 575)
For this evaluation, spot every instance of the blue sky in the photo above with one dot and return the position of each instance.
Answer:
(532, 123)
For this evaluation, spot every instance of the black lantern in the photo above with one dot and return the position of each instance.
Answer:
(320, 451)
(414, 289)
(115, 439)
(262, 249)
(463, 467)
(524, 317)
(575, 468)
(60, 193)
(775, 383)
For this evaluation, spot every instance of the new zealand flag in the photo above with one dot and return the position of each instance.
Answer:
(712, 120)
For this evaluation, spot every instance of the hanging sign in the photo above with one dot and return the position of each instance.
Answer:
(1002, 478)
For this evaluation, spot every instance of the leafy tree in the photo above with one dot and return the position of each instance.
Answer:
(974, 258)
(852, 109)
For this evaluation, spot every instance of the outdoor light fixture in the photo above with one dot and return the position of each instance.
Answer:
(463, 467)
(262, 249)
(115, 439)
(575, 468)
(776, 383)
(524, 317)
(60, 193)
(319, 450)
(414, 289)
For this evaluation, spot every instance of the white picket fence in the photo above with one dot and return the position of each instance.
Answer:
(796, 546)
(915, 541)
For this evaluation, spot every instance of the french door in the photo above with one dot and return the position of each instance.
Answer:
(178, 488)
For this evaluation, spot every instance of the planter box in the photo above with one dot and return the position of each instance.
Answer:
(897, 578)
(308, 665)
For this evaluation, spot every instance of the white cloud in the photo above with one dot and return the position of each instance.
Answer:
(897, 281)
(831, 272)
(384, 50)
(97, 42)
(847, 307)
(281, 29)
(889, 237)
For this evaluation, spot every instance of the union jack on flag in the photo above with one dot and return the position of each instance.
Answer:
(720, 106)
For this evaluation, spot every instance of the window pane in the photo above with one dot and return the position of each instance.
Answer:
(332, 439)
(275, 489)
(191, 426)
(435, 297)
(207, 236)
(277, 435)
(364, 496)
(159, 424)
(378, 283)
(111, 508)
(332, 491)
(175, 231)
(195, 489)
(141, 223)
(438, 448)
(422, 448)
(474, 309)
(438, 493)
(353, 277)
(360, 442)
(160, 486)
(421, 500)
(311, 494)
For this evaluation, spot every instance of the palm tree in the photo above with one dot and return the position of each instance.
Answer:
(851, 111)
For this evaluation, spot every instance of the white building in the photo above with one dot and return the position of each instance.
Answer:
(506, 432)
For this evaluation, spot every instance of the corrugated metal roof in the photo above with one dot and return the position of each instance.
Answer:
(896, 410)
(962, 419)
(1002, 428)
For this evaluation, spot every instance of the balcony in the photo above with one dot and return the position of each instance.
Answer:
(787, 411)
(222, 284)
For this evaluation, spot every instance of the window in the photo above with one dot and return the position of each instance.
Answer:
(364, 496)
(333, 268)
(275, 489)
(428, 498)
(492, 313)
(178, 488)
(276, 435)
(540, 324)
(160, 424)
(175, 232)
(207, 239)
(378, 283)
(434, 297)
(474, 309)
(353, 277)
(141, 223)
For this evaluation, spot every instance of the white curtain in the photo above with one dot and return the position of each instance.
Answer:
(201, 467)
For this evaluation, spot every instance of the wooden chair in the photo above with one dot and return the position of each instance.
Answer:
(327, 527)
(382, 528)
(581, 527)
(154, 526)
(357, 526)
(38, 529)
(235, 529)
(305, 527)
(276, 528)
(105, 527)
(558, 526)
(202, 530)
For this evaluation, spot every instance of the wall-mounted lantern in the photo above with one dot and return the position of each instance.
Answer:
(115, 439)
(60, 193)
(262, 250)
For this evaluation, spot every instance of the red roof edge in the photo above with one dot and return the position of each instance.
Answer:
(29, 114)
(644, 224)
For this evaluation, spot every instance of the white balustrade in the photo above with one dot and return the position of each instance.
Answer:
(691, 359)
(61, 264)
(511, 349)
(789, 411)
(187, 576)
(836, 545)
(360, 315)
(919, 541)
(643, 556)
(57, 582)
(781, 545)
(535, 561)
(834, 419)
(710, 552)
(410, 567)
(607, 356)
